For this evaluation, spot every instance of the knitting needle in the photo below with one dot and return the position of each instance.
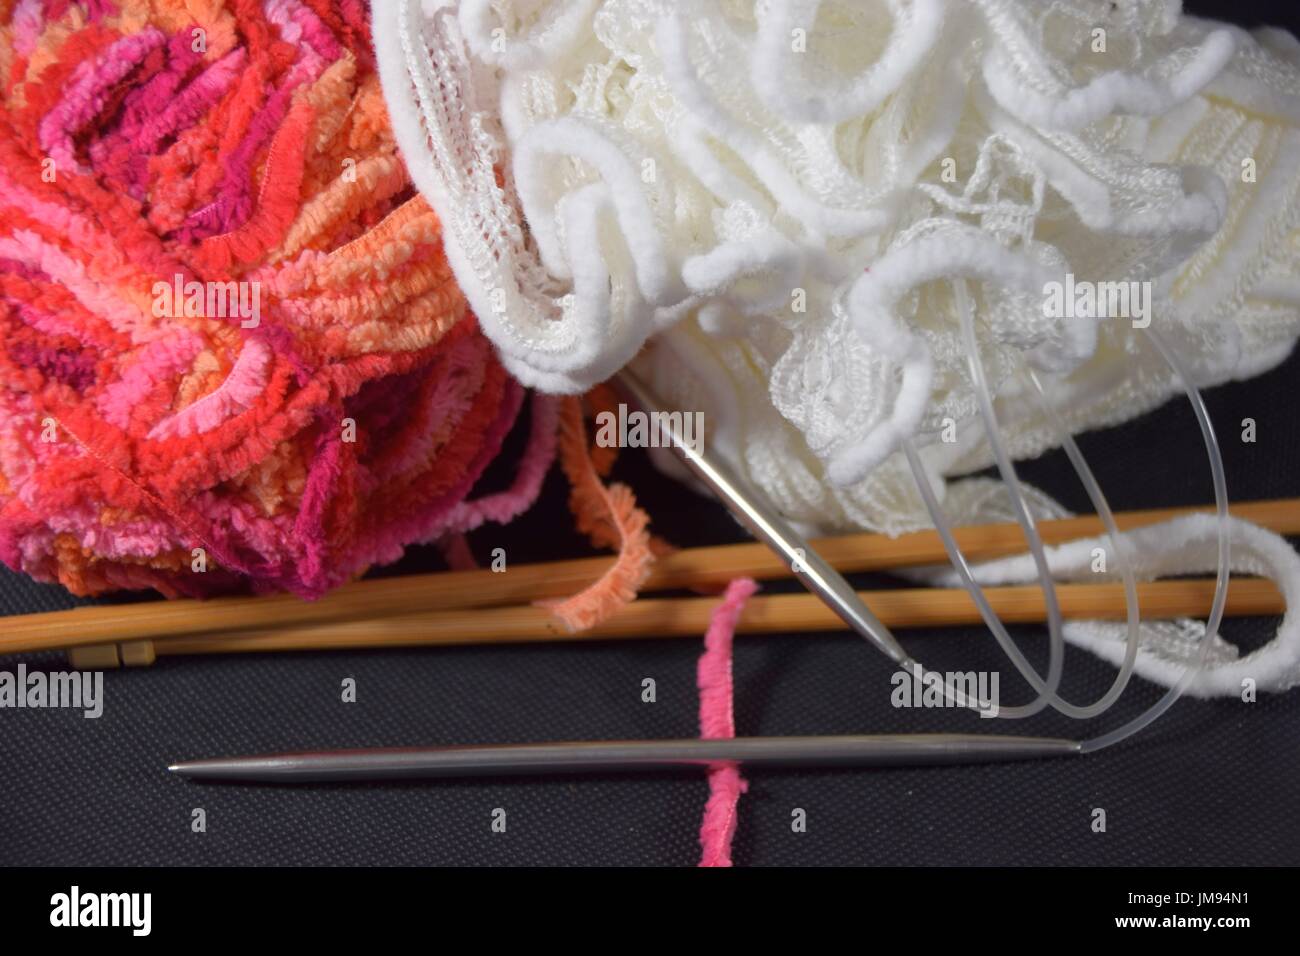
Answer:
(663, 618)
(408, 763)
(700, 567)
(811, 569)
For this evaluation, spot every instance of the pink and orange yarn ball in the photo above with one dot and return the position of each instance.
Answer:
(234, 152)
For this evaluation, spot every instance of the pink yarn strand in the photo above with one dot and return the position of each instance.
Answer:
(717, 720)
(504, 506)
(456, 552)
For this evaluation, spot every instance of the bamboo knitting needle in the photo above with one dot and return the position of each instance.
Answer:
(774, 614)
(521, 584)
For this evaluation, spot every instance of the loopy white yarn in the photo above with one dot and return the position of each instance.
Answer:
(554, 31)
(778, 191)
(1183, 546)
(777, 69)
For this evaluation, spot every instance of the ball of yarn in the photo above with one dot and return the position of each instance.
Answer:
(777, 209)
(780, 196)
(234, 355)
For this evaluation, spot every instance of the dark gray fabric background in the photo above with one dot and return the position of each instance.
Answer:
(1211, 783)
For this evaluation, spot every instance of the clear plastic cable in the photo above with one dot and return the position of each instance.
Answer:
(1144, 719)
(1047, 690)
(1047, 693)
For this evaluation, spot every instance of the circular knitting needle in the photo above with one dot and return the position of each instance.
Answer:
(810, 568)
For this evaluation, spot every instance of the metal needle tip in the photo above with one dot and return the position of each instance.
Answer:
(768, 526)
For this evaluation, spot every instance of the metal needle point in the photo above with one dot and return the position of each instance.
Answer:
(763, 521)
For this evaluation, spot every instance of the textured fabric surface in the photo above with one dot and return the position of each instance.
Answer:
(1211, 783)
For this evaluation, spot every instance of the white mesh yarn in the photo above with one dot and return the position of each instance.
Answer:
(776, 191)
